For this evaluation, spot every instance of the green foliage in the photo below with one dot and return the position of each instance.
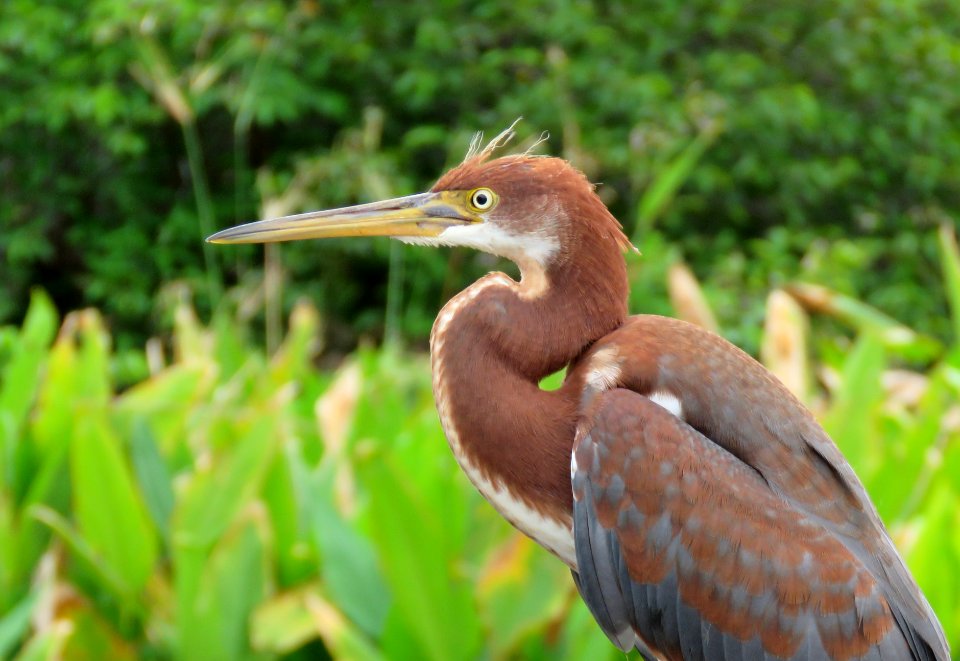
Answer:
(227, 503)
(235, 506)
(241, 506)
(131, 129)
(908, 457)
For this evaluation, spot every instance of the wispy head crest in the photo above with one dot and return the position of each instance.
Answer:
(544, 136)
(482, 154)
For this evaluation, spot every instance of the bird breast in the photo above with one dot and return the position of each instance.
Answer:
(554, 535)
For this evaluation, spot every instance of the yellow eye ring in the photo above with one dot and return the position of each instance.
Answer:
(482, 199)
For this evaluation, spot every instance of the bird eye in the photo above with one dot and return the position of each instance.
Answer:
(482, 199)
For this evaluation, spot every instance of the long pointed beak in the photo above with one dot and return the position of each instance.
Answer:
(426, 214)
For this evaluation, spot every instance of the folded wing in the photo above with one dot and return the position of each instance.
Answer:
(686, 552)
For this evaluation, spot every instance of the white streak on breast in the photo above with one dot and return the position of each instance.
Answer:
(668, 401)
(555, 536)
(551, 534)
(604, 372)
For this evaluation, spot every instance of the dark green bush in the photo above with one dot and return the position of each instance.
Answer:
(128, 130)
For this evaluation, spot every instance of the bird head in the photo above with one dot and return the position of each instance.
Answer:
(533, 210)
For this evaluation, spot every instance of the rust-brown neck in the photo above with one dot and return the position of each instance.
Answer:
(491, 346)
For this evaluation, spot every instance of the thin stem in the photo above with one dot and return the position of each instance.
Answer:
(272, 295)
(395, 277)
(205, 213)
(243, 184)
(241, 132)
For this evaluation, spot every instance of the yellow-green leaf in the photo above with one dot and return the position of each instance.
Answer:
(108, 509)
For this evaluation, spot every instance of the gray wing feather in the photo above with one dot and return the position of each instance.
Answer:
(653, 617)
(623, 608)
(739, 406)
(598, 581)
(628, 611)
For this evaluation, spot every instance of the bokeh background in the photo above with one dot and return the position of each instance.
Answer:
(232, 453)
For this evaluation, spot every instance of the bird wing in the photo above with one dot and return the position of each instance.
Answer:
(684, 551)
(734, 405)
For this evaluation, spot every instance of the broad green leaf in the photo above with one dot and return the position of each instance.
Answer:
(283, 622)
(189, 561)
(76, 378)
(851, 420)
(92, 638)
(203, 512)
(288, 508)
(238, 578)
(231, 346)
(55, 412)
(903, 475)
(170, 391)
(152, 476)
(15, 624)
(109, 512)
(48, 438)
(22, 374)
(553, 381)
(396, 415)
(298, 347)
(12, 579)
(339, 636)
(290, 619)
(214, 498)
(932, 555)
(232, 582)
(582, 638)
(93, 358)
(168, 400)
(81, 550)
(521, 590)
(950, 258)
(399, 641)
(189, 341)
(348, 563)
(19, 381)
(434, 602)
(47, 646)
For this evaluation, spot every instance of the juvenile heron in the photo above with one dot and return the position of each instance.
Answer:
(702, 510)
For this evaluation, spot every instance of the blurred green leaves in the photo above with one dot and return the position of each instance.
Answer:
(205, 499)
(129, 128)
(109, 512)
(218, 509)
(241, 506)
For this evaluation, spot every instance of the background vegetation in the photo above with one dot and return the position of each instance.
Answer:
(185, 473)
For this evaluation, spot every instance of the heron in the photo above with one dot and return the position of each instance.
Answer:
(702, 510)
